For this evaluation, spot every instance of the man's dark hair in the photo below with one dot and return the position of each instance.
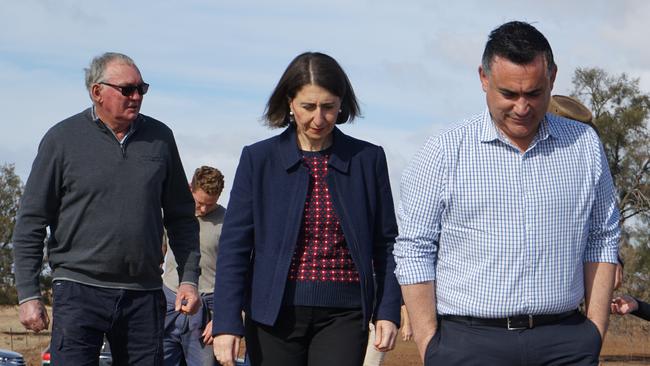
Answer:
(518, 42)
(311, 68)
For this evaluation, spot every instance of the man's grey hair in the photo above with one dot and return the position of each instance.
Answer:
(95, 72)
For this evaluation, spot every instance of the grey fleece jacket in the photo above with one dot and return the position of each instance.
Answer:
(105, 204)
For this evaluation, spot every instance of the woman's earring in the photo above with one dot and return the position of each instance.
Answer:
(291, 119)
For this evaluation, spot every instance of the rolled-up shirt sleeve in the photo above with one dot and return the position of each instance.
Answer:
(604, 227)
(422, 203)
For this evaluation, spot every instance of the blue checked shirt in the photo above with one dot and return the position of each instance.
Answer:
(503, 232)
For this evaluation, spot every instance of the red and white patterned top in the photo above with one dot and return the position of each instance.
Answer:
(322, 253)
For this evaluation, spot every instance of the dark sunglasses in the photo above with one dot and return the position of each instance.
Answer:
(128, 90)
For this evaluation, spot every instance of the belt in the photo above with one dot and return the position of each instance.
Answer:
(515, 322)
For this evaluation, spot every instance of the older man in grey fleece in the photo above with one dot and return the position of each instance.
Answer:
(105, 181)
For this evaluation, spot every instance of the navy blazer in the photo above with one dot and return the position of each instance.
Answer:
(262, 223)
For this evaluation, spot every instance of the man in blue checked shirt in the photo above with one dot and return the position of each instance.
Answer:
(508, 222)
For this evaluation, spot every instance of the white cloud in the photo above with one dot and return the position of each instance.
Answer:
(212, 64)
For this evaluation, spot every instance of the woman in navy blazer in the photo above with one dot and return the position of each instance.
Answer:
(307, 241)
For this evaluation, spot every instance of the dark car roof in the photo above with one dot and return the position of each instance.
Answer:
(8, 353)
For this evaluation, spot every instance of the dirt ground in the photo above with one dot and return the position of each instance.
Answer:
(627, 343)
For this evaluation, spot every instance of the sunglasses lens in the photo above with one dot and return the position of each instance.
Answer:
(143, 88)
(127, 91)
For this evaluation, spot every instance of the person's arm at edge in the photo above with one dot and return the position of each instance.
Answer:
(420, 301)
(626, 304)
(643, 310)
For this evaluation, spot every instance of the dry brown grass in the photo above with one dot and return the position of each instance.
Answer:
(627, 343)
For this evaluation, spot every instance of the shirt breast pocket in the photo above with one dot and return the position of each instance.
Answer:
(151, 169)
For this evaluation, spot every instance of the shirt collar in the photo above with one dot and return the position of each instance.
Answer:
(339, 153)
(490, 132)
(93, 114)
(100, 123)
(552, 128)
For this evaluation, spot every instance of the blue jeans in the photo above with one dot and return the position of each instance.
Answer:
(183, 340)
(131, 320)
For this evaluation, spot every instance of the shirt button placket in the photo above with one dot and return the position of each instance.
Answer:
(528, 245)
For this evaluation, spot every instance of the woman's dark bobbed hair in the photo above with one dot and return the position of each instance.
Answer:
(311, 68)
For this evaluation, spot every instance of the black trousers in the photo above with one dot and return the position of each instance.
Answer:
(131, 320)
(306, 335)
(573, 341)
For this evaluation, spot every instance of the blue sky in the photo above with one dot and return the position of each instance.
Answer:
(212, 64)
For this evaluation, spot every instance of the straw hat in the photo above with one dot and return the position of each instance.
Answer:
(569, 107)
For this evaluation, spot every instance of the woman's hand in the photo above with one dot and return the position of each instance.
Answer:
(385, 334)
(226, 348)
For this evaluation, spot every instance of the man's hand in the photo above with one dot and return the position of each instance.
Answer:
(385, 334)
(187, 299)
(624, 305)
(33, 315)
(226, 348)
(207, 333)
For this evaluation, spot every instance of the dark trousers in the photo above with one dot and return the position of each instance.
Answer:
(573, 341)
(132, 321)
(306, 335)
